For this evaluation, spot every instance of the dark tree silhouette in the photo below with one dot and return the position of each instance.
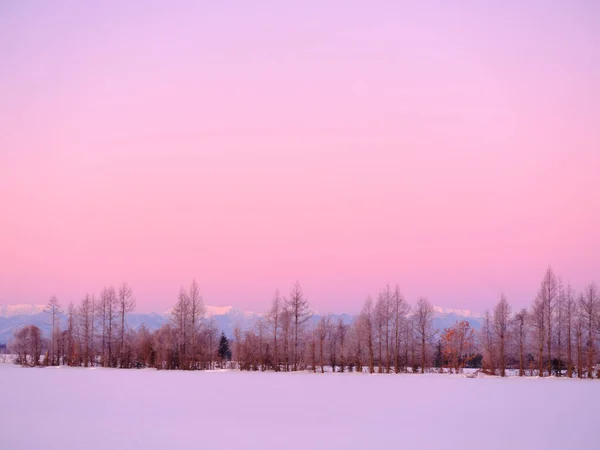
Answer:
(224, 352)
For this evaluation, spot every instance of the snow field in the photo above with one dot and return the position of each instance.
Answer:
(78, 408)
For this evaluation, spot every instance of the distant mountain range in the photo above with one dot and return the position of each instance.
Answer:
(225, 318)
(18, 310)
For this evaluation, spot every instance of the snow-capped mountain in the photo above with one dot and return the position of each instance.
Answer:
(458, 312)
(212, 311)
(18, 310)
(447, 317)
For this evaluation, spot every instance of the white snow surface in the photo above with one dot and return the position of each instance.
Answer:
(78, 408)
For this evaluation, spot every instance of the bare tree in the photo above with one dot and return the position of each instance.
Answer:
(384, 314)
(489, 344)
(286, 327)
(273, 318)
(559, 317)
(107, 312)
(548, 295)
(313, 349)
(145, 350)
(210, 334)
(323, 329)
(85, 312)
(380, 322)
(589, 310)
(237, 348)
(165, 346)
(579, 335)
(411, 339)
(54, 309)
(424, 318)
(501, 323)
(197, 311)
(341, 331)
(125, 304)
(355, 344)
(538, 320)
(300, 311)
(260, 328)
(333, 346)
(400, 310)
(69, 357)
(366, 327)
(519, 324)
(570, 307)
(92, 330)
(181, 320)
(28, 345)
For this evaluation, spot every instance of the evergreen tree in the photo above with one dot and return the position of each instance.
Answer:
(224, 351)
(438, 360)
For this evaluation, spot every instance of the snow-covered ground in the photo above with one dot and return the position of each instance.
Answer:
(76, 408)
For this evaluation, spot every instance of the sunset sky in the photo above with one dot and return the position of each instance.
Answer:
(450, 147)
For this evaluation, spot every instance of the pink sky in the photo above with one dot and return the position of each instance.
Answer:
(453, 150)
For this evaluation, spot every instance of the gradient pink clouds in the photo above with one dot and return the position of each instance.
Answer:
(455, 151)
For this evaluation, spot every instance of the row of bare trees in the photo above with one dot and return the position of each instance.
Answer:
(96, 334)
(387, 336)
(96, 329)
(557, 335)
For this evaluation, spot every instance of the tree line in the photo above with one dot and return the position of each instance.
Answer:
(557, 335)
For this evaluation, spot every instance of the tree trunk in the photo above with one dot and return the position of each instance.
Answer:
(569, 350)
(423, 351)
(521, 368)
